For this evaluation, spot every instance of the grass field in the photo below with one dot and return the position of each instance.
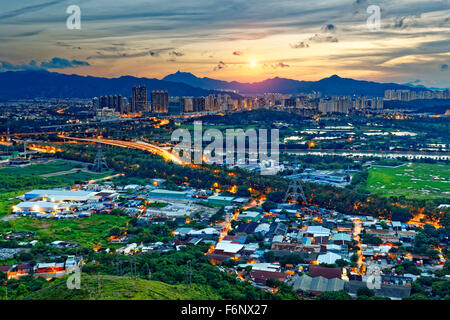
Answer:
(123, 288)
(412, 180)
(88, 232)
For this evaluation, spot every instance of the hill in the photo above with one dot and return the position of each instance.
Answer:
(34, 84)
(123, 288)
(333, 85)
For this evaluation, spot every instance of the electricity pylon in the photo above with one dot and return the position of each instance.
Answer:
(100, 162)
(295, 190)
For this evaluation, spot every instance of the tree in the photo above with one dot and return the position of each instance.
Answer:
(118, 212)
(441, 288)
(269, 205)
(218, 216)
(291, 259)
(371, 239)
(417, 296)
(416, 287)
(400, 214)
(115, 232)
(242, 191)
(341, 263)
(269, 256)
(364, 291)
(276, 196)
(334, 295)
(25, 256)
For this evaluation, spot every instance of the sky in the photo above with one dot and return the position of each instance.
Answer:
(242, 40)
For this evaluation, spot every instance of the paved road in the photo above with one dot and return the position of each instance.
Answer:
(133, 145)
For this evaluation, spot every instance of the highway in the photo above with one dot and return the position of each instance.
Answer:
(132, 145)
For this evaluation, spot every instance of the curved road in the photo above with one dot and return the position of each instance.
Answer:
(133, 145)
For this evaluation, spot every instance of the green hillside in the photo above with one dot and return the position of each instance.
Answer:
(123, 288)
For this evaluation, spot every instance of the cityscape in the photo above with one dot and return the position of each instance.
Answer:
(260, 177)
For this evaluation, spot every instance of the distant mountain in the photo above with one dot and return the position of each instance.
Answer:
(32, 84)
(422, 87)
(333, 85)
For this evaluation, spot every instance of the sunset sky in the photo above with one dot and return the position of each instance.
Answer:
(247, 40)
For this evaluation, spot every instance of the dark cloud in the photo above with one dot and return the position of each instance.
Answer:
(7, 66)
(220, 66)
(158, 52)
(30, 33)
(119, 55)
(359, 5)
(54, 63)
(405, 21)
(280, 65)
(329, 28)
(444, 67)
(176, 53)
(29, 9)
(62, 44)
(323, 38)
(301, 44)
(238, 53)
(61, 63)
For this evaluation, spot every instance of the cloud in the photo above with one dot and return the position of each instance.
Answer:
(54, 63)
(29, 9)
(30, 33)
(406, 21)
(359, 6)
(329, 28)
(158, 52)
(61, 63)
(220, 66)
(7, 66)
(301, 44)
(444, 67)
(280, 65)
(238, 53)
(323, 38)
(176, 53)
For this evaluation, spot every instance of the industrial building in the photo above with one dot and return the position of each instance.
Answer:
(61, 195)
(167, 194)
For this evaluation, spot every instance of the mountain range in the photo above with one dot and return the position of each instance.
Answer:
(33, 84)
(333, 85)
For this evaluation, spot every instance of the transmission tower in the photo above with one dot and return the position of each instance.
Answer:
(99, 285)
(189, 273)
(25, 149)
(295, 189)
(100, 162)
(8, 140)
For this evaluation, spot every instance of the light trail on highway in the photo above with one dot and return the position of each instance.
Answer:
(168, 156)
